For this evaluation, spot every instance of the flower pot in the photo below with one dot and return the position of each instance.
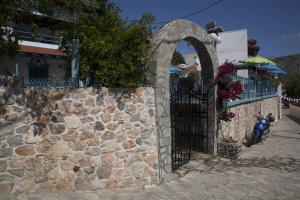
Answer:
(229, 150)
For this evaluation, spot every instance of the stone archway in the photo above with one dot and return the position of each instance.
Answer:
(163, 45)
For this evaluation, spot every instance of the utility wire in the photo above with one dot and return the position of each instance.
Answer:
(194, 13)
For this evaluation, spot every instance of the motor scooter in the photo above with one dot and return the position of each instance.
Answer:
(261, 129)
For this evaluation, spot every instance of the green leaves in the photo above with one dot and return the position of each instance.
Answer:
(112, 50)
(177, 58)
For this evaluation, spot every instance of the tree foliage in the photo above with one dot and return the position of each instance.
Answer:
(293, 86)
(177, 58)
(112, 50)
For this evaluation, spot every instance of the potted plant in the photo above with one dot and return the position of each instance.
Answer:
(228, 147)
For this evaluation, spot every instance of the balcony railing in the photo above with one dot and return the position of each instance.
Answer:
(45, 83)
(43, 38)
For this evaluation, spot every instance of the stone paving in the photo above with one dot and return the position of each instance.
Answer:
(270, 170)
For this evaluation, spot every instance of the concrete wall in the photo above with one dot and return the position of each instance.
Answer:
(294, 111)
(76, 140)
(242, 124)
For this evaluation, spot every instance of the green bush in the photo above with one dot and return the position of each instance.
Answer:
(293, 86)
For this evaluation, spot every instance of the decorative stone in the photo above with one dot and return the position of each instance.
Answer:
(121, 105)
(136, 100)
(15, 140)
(93, 142)
(94, 151)
(22, 129)
(151, 159)
(31, 139)
(139, 91)
(85, 135)
(32, 164)
(66, 165)
(135, 117)
(16, 163)
(5, 177)
(128, 144)
(146, 134)
(151, 112)
(5, 152)
(64, 184)
(17, 172)
(72, 122)
(81, 111)
(99, 126)
(130, 109)
(86, 119)
(105, 117)
(6, 188)
(79, 146)
(56, 128)
(25, 150)
(90, 101)
(133, 133)
(11, 117)
(111, 109)
(118, 116)
(108, 135)
(122, 154)
(77, 104)
(94, 111)
(104, 172)
(107, 159)
(40, 179)
(70, 136)
(60, 149)
(112, 126)
(54, 174)
(110, 146)
(89, 170)
(113, 183)
(3, 165)
(139, 141)
(100, 101)
(57, 117)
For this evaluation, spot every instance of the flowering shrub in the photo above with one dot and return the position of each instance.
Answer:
(227, 89)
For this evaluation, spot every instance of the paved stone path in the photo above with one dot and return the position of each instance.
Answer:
(265, 171)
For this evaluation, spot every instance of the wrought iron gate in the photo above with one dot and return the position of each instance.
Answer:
(189, 121)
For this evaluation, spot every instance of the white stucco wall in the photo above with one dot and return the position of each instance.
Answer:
(233, 46)
(56, 66)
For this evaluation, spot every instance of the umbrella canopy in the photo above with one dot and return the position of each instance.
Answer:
(175, 69)
(273, 69)
(257, 60)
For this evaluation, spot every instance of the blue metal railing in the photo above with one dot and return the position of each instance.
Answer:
(254, 89)
(45, 83)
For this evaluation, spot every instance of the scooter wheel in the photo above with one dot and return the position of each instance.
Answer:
(252, 140)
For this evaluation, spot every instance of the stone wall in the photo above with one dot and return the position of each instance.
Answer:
(76, 140)
(245, 117)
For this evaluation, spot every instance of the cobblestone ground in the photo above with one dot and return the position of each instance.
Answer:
(265, 171)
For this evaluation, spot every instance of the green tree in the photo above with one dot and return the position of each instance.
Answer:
(112, 50)
(177, 58)
(293, 86)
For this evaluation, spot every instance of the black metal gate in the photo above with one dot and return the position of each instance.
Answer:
(189, 121)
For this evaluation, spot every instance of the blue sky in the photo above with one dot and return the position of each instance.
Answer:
(275, 24)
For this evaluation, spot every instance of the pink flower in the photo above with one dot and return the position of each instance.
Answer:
(226, 68)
